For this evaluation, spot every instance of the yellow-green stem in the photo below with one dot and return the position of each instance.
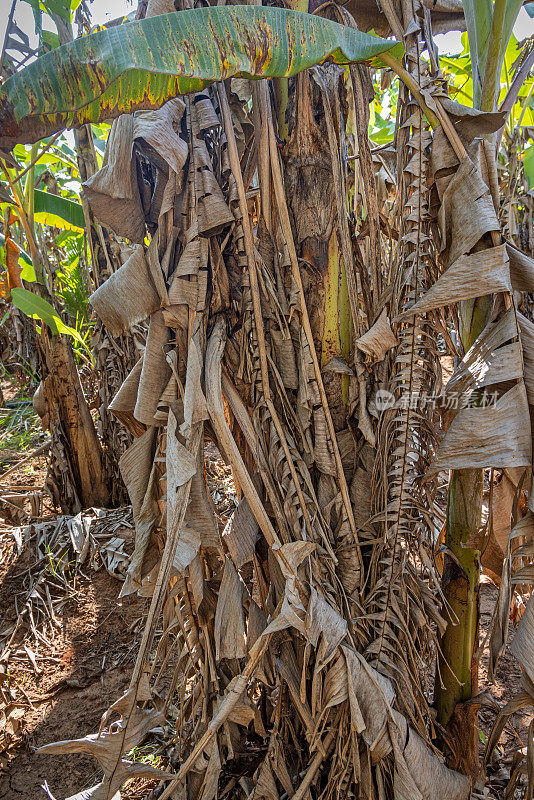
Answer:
(29, 230)
(281, 85)
(460, 585)
(493, 61)
(30, 188)
(345, 327)
(461, 575)
(337, 333)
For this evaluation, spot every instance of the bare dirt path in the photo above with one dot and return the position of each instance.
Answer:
(85, 669)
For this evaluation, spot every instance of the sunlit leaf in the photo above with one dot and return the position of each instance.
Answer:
(37, 307)
(142, 64)
(58, 212)
(458, 65)
(27, 272)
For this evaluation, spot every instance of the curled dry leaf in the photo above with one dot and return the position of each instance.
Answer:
(497, 435)
(112, 192)
(158, 128)
(378, 339)
(229, 618)
(466, 212)
(490, 359)
(128, 296)
(522, 643)
(469, 276)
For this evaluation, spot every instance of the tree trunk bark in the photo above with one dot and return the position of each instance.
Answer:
(76, 455)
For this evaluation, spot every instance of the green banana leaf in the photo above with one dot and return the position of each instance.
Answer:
(37, 307)
(140, 65)
(59, 212)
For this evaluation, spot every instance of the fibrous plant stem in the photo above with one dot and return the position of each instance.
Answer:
(457, 667)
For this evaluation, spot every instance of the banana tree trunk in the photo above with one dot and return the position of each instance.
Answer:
(76, 463)
(457, 678)
(311, 201)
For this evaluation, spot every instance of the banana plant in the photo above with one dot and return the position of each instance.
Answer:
(489, 26)
(333, 690)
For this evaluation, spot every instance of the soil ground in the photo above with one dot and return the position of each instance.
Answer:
(87, 662)
(86, 669)
(507, 684)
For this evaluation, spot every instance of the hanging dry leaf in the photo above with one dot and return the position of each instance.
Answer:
(497, 435)
(323, 620)
(470, 276)
(112, 192)
(521, 269)
(466, 213)
(488, 361)
(527, 342)
(137, 470)
(128, 296)
(522, 643)
(123, 404)
(241, 534)
(419, 774)
(229, 629)
(378, 339)
(181, 466)
(200, 516)
(155, 373)
(195, 407)
(158, 128)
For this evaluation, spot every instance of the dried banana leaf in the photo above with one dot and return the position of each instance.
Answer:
(497, 435)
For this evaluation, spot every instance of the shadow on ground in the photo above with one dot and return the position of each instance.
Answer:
(86, 667)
